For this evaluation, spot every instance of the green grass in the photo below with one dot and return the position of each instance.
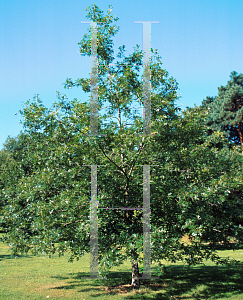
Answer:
(39, 277)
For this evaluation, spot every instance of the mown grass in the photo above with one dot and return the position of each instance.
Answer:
(39, 277)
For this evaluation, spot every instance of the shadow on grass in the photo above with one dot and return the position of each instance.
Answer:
(215, 281)
(83, 280)
(198, 282)
(9, 256)
(231, 246)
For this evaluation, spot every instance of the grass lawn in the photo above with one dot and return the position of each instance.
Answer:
(39, 277)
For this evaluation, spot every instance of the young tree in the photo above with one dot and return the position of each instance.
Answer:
(48, 209)
(226, 109)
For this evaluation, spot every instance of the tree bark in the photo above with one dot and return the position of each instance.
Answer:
(135, 275)
(240, 135)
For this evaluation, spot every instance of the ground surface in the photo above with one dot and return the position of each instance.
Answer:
(29, 277)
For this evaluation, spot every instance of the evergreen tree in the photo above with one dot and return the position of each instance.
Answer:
(226, 109)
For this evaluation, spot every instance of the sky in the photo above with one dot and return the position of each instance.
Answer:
(200, 42)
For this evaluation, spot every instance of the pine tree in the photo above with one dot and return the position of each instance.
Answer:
(226, 109)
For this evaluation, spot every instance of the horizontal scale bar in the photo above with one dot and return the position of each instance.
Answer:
(122, 208)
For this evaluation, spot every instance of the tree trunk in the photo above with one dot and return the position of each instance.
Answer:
(135, 275)
(240, 135)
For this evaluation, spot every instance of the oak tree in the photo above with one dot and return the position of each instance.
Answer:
(47, 207)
